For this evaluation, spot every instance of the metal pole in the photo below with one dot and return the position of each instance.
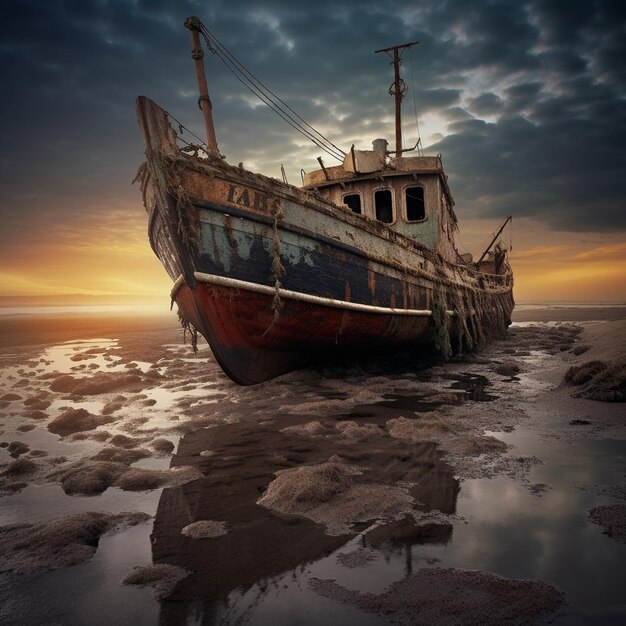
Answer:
(398, 97)
(506, 221)
(204, 102)
(398, 88)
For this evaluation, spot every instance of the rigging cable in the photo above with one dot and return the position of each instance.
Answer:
(282, 109)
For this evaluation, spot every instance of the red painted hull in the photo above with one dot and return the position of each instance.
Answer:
(253, 345)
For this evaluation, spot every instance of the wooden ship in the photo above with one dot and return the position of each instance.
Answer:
(360, 259)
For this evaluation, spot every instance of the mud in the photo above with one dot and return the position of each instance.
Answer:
(357, 467)
(161, 577)
(39, 547)
(205, 529)
(77, 421)
(452, 597)
(612, 518)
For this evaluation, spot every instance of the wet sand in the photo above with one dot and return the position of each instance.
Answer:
(136, 473)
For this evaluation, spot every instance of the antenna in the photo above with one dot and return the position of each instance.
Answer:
(398, 87)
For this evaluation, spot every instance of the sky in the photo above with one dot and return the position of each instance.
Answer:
(525, 100)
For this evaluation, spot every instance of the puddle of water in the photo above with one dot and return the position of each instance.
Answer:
(45, 502)
(58, 358)
(474, 385)
(97, 595)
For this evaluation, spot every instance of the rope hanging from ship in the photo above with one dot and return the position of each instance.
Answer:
(266, 95)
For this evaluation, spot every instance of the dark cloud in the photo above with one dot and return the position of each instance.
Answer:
(486, 104)
(552, 75)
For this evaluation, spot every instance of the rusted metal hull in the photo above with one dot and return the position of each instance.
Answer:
(277, 278)
(253, 343)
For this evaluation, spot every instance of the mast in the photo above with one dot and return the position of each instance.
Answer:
(484, 254)
(204, 102)
(398, 87)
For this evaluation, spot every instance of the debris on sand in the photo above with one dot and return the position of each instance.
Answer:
(612, 518)
(328, 494)
(578, 350)
(76, 421)
(599, 380)
(42, 546)
(452, 597)
(162, 577)
(204, 529)
(140, 479)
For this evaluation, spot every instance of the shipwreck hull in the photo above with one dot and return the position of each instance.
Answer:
(254, 341)
(277, 278)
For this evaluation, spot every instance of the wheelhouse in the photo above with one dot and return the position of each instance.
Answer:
(410, 194)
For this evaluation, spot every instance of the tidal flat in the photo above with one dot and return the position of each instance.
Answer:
(139, 485)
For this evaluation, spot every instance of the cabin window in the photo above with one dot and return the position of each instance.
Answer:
(383, 206)
(415, 208)
(353, 202)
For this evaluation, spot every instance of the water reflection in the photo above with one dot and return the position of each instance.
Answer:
(262, 546)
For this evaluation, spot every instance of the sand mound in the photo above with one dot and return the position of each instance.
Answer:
(17, 448)
(599, 380)
(115, 405)
(162, 577)
(424, 428)
(353, 432)
(348, 430)
(162, 445)
(37, 403)
(10, 397)
(19, 467)
(87, 477)
(123, 441)
(311, 429)
(139, 479)
(612, 518)
(327, 494)
(204, 529)
(28, 548)
(102, 382)
(452, 597)
(76, 421)
(357, 558)
(507, 368)
(303, 487)
(35, 414)
(121, 455)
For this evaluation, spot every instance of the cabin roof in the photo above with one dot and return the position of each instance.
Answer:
(367, 165)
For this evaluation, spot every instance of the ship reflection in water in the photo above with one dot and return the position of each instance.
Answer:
(264, 550)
